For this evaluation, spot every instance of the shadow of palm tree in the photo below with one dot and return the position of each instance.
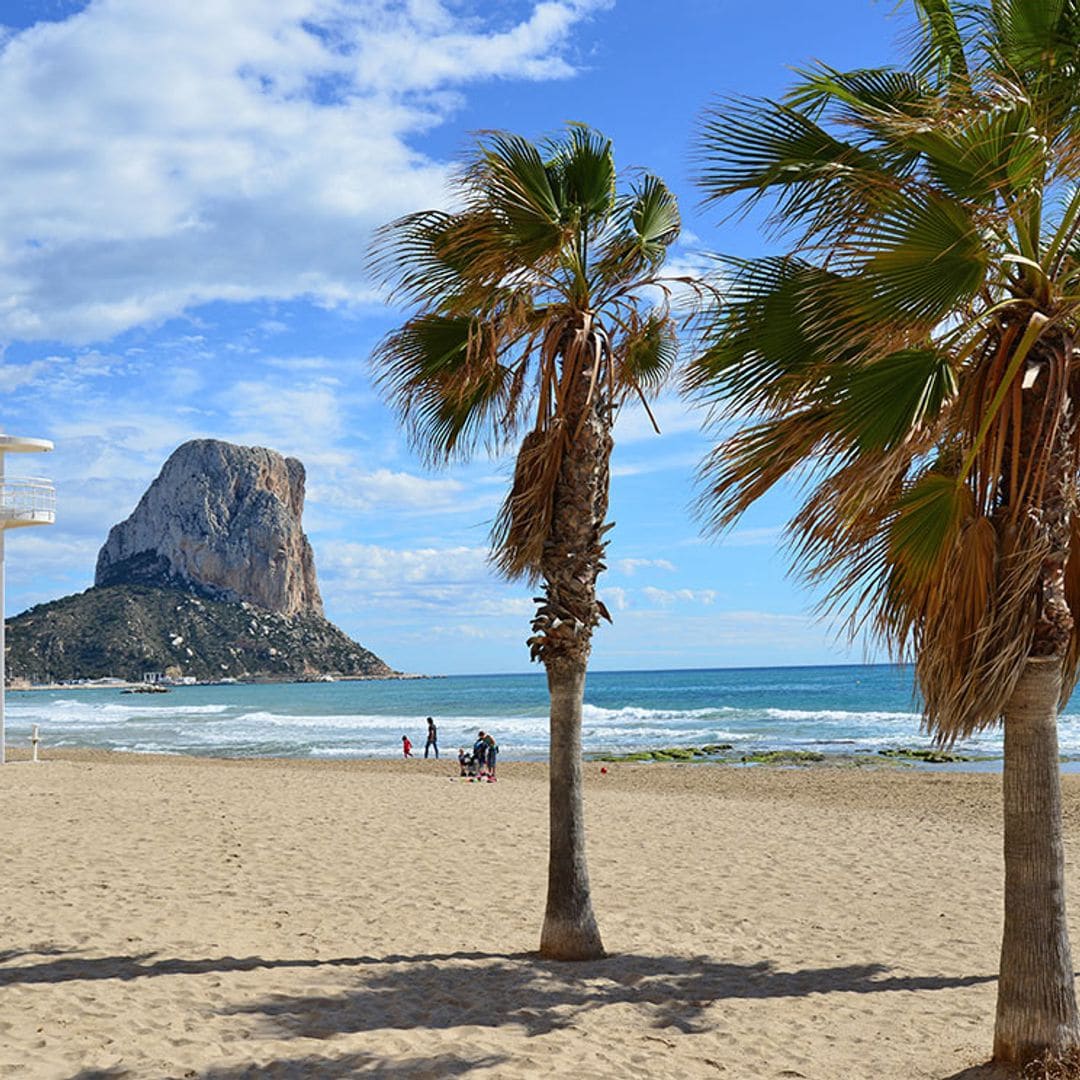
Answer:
(313, 1067)
(472, 988)
(542, 997)
(987, 1071)
(140, 966)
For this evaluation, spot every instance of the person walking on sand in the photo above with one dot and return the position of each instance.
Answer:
(406, 746)
(432, 739)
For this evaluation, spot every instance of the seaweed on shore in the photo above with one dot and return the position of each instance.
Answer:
(671, 753)
(929, 756)
(783, 757)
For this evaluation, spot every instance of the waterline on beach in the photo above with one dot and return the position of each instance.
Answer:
(832, 710)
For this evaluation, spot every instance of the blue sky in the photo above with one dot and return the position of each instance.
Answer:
(189, 189)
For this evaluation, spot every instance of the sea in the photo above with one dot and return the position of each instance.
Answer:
(832, 710)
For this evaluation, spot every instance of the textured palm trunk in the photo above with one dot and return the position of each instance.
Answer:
(570, 931)
(1036, 1006)
(573, 560)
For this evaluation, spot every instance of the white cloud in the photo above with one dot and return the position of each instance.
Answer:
(12, 376)
(357, 489)
(160, 155)
(629, 567)
(369, 567)
(669, 597)
(614, 597)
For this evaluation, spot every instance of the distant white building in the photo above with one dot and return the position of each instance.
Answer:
(24, 501)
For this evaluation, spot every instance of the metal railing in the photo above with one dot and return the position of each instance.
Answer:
(27, 500)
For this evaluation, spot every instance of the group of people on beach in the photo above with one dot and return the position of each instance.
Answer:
(479, 764)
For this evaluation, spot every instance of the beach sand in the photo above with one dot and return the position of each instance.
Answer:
(171, 917)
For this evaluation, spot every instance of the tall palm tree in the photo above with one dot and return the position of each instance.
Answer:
(533, 319)
(912, 360)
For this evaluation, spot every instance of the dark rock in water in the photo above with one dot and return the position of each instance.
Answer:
(128, 630)
(224, 522)
(930, 757)
(211, 577)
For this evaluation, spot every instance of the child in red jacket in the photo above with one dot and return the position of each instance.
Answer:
(406, 746)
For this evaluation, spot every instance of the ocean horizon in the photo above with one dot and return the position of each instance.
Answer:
(828, 709)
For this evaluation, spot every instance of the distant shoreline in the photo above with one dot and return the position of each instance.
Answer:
(268, 680)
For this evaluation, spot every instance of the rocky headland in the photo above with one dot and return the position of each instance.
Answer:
(210, 577)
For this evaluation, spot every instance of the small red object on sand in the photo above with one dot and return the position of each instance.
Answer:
(603, 770)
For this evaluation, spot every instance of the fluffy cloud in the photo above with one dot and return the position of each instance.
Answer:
(629, 567)
(370, 568)
(161, 155)
(669, 597)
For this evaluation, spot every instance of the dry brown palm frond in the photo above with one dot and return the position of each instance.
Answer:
(962, 699)
(735, 466)
(523, 524)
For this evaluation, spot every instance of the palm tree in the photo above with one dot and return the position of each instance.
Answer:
(911, 359)
(533, 318)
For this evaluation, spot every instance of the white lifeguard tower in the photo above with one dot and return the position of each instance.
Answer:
(23, 501)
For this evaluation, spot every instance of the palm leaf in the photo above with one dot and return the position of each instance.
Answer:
(926, 258)
(884, 401)
(942, 50)
(585, 169)
(648, 352)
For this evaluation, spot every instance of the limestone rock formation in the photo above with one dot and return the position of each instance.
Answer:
(222, 521)
(211, 577)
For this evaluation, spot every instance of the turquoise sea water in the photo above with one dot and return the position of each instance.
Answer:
(830, 709)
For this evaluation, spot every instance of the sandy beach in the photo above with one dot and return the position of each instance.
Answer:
(175, 917)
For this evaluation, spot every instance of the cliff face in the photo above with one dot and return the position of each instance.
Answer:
(211, 576)
(222, 521)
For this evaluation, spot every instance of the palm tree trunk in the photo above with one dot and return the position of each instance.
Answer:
(573, 559)
(1036, 1006)
(570, 931)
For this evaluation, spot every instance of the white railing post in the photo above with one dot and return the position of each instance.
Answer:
(34, 740)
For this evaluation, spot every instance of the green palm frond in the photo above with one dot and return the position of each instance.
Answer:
(942, 47)
(768, 334)
(754, 145)
(644, 225)
(647, 352)
(583, 174)
(923, 259)
(512, 181)
(928, 521)
(910, 360)
(543, 282)
(885, 402)
(861, 93)
(979, 153)
(455, 391)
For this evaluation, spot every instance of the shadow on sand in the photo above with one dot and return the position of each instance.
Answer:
(443, 991)
(327, 1068)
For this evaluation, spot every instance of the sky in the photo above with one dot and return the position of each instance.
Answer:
(189, 191)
